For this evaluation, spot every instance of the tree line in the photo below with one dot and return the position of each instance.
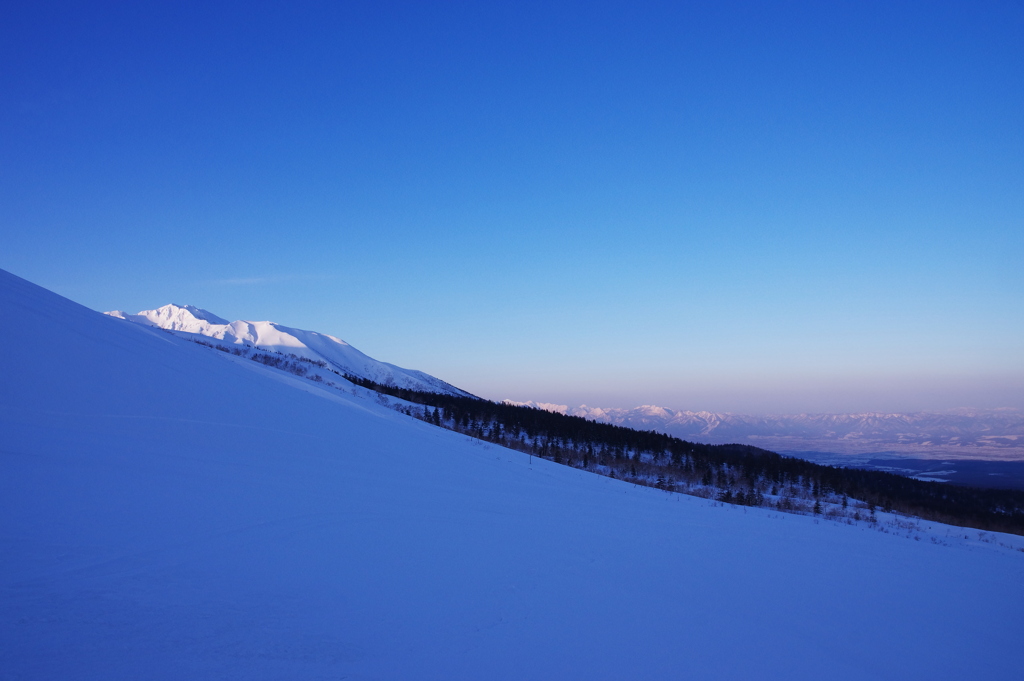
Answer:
(733, 473)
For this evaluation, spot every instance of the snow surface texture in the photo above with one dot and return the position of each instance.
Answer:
(168, 512)
(193, 321)
(995, 434)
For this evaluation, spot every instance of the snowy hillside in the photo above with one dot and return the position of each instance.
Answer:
(167, 512)
(962, 433)
(189, 320)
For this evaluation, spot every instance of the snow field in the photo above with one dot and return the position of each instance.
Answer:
(169, 512)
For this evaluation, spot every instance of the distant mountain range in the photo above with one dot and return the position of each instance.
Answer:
(960, 433)
(189, 321)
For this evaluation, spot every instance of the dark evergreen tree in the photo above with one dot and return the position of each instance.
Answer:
(657, 457)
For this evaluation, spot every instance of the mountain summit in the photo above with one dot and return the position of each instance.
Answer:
(187, 320)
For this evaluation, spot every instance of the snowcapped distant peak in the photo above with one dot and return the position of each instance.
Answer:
(654, 410)
(186, 318)
(546, 406)
(181, 311)
(180, 317)
(342, 357)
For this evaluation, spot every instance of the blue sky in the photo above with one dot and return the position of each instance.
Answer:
(748, 207)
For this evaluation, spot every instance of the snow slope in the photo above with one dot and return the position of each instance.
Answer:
(167, 512)
(186, 319)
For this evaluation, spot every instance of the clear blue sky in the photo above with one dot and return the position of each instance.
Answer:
(753, 207)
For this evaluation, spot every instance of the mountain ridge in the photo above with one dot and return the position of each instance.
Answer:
(190, 321)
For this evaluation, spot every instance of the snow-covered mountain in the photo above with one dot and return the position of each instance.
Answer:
(961, 433)
(167, 512)
(189, 320)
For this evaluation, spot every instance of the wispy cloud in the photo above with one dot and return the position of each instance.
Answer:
(244, 281)
(252, 281)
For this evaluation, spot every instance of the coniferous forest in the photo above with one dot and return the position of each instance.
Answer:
(736, 474)
(732, 473)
